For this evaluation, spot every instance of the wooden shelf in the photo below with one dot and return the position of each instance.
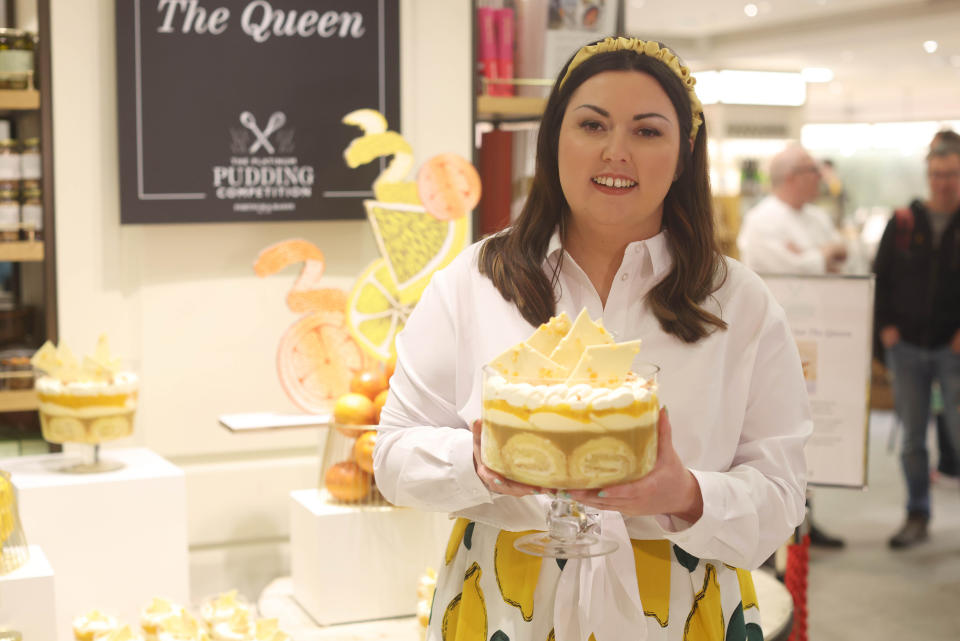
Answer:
(19, 99)
(18, 400)
(509, 107)
(21, 251)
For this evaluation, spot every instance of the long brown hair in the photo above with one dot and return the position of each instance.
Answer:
(513, 260)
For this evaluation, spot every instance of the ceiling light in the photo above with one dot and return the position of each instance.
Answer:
(930, 46)
(751, 10)
(751, 88)
(816, 74)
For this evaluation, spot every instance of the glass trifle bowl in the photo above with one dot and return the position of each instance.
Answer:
(89, 401)
(570, 433)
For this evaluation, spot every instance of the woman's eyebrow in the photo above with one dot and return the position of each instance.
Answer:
(606, 114)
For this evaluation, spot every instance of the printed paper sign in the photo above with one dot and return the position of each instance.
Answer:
(230, 110)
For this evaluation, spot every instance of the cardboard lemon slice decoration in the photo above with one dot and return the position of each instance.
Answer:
(414, 244)
(375, 314)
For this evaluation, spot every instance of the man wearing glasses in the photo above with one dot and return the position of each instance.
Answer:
(786, 234)
(918, 320)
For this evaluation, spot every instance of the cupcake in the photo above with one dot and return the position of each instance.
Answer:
(181, 627)
(123, 633)
(222, 608)
(269, 630)
(156, 612)
(87, 627)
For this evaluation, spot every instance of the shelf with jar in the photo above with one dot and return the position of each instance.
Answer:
(28, 292)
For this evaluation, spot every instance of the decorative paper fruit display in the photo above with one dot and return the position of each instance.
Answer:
(363, 450)
(347, 482)
(413, 243)
(449, 186)
(317, 356)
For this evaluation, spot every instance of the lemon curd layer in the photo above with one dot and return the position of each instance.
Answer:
(69, 400)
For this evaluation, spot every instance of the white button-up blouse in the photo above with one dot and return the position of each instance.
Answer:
(737, 401)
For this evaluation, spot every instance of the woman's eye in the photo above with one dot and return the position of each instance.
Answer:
(648, 132)
(591, 125)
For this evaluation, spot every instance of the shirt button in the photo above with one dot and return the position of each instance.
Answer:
(625, 276)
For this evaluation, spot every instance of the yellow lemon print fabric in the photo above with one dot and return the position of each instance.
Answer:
(488, 591)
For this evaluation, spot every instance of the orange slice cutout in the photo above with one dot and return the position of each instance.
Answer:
(449, 186)
(316, 359)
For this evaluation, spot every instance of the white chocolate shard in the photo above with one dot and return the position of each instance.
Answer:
(605, 365)
(582, 334)
(523, 362)
(549, 334)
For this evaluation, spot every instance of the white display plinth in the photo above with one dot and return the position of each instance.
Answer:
(114, 539)
(360, 563)
(27, 602)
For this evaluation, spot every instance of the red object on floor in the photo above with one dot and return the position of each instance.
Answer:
(795, 578)
(496, 155)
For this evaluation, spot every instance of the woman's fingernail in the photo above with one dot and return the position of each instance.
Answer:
(498, 481)
(601, 494)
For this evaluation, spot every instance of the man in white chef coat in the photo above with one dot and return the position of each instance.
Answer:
(786, 234)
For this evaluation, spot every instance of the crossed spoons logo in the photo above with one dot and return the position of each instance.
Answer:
(252, 138)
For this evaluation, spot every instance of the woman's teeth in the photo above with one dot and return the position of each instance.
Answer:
(613, 182)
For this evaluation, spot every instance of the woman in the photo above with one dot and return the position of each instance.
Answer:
(618, 221)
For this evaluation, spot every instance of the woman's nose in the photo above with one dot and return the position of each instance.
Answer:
(615, 149)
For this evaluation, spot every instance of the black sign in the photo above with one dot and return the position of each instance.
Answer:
(230, 110)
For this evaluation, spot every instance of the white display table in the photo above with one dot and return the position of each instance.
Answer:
(114, 539)
(360, 563)
(27, 602)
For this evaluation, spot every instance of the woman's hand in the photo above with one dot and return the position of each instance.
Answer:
(495, 482)
(670, 488)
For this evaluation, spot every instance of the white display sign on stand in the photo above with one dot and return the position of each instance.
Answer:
(114, 539)
(360, 563)
(831, 318)
(27, 602)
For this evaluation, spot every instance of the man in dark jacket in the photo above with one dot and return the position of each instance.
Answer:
(918, 319)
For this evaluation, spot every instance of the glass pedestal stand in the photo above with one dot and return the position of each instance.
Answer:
(573, 532)
(93, 463)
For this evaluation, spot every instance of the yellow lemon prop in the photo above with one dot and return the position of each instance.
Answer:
(414, 244)
(374, 312)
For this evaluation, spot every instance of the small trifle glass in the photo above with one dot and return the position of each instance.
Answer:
(563, 434)
(88, 402)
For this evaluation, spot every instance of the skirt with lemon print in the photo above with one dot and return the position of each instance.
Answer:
(488, 591)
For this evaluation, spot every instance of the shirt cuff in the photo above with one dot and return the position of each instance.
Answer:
(461, 456)
(696, 535)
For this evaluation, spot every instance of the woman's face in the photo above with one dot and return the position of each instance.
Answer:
(618, 151)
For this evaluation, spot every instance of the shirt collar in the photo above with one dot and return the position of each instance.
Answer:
(657, 251)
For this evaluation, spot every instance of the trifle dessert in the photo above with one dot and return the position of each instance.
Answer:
(93, 624)
(569, 409)
(88, 401)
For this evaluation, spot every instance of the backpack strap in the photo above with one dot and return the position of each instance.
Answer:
(903, 221)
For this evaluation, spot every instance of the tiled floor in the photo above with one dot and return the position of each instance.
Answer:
(863, 592)
(867, 590)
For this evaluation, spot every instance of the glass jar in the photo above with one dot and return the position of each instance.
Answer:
(16, 59)
(9, 160)
(9, 215)
(31, 213)
(30, 167)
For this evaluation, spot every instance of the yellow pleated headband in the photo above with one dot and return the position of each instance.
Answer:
(653, 50)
